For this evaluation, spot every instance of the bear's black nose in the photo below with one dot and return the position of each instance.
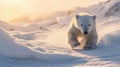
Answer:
(85, 32)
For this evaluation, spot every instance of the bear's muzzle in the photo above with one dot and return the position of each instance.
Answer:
(85, 32)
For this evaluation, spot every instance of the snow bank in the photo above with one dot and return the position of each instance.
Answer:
(45, 44)
(25, 28)
(12, 49)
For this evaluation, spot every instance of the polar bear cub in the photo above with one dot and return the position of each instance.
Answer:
(83, 26)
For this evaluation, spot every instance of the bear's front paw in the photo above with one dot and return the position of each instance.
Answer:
(74, 44)
(87, 47)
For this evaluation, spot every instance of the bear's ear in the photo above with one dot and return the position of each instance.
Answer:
(94, 17)
(77, 16)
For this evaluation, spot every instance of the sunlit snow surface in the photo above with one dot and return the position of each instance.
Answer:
(44, 45)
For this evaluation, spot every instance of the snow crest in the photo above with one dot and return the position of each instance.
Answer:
(44, 44)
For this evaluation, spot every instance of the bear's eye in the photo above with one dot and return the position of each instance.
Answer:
(89, 25)
(81, 24)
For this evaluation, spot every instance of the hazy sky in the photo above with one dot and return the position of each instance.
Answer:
(10, 9)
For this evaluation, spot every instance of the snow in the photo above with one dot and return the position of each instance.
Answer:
(44, 44)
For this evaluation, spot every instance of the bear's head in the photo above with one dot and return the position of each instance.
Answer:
(85, 23)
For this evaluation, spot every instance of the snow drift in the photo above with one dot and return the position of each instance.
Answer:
(10, 48)
(44, 44)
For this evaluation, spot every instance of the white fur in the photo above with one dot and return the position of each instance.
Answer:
(76, 30)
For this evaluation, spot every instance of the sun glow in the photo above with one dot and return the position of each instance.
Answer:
(10, 1)
(10, 9)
